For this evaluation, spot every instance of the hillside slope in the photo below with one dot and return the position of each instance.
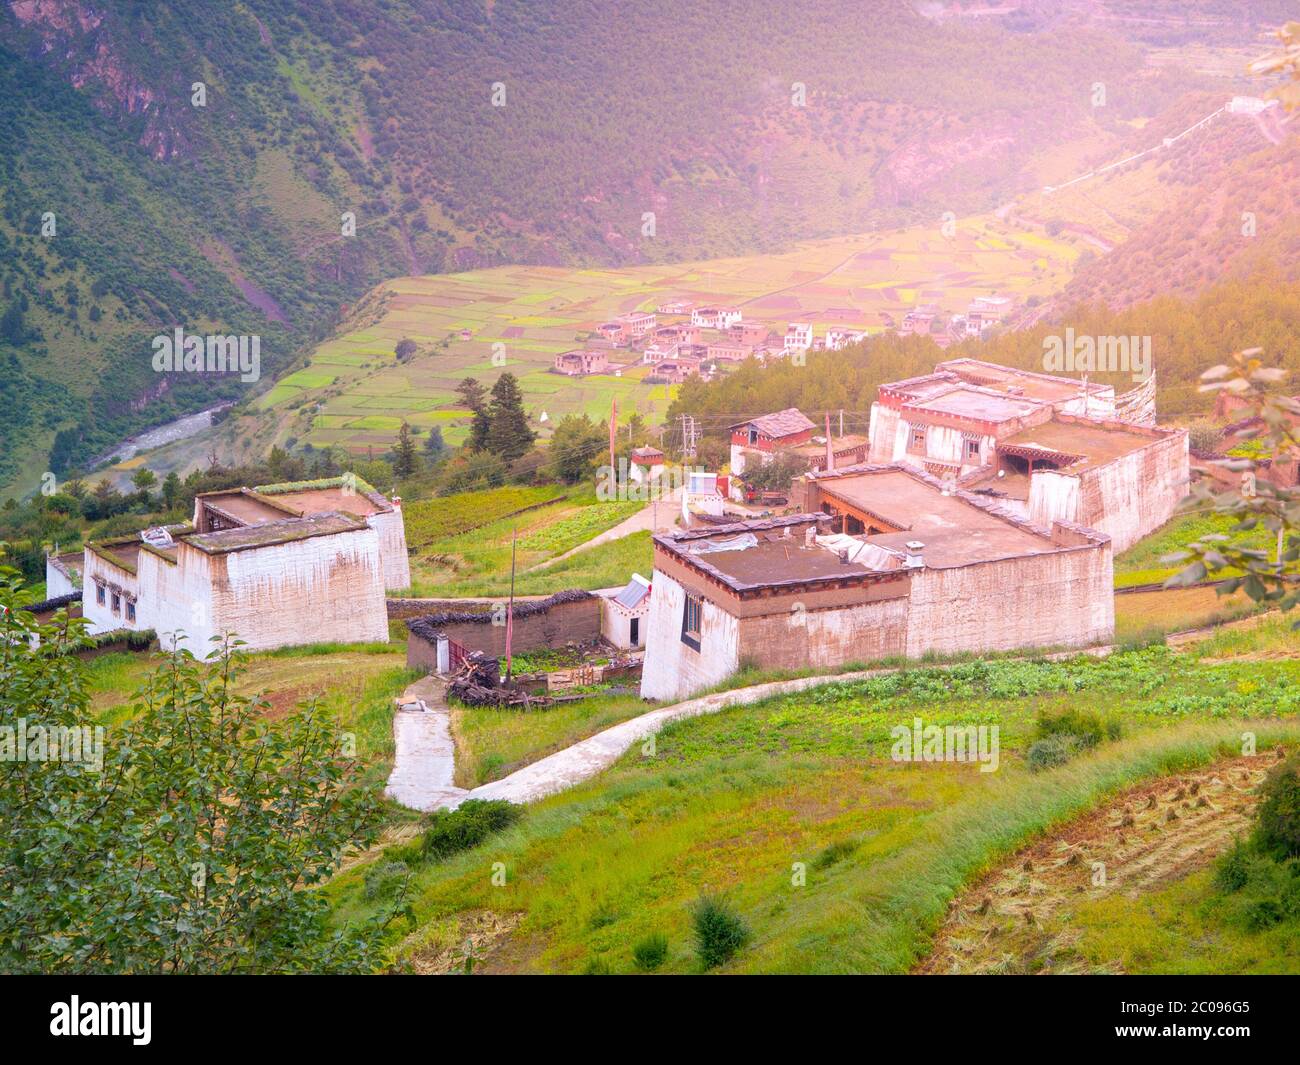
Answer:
(226, 217)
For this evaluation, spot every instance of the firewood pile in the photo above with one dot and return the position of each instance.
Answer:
(478, 683)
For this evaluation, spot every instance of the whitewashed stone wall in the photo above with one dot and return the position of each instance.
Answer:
(1126, 499)
(392, 549)
(1060, 599)
(672, 669)
(102, 618)
(884, 435)
(57, 582)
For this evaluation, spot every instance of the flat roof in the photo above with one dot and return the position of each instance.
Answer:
(244, 507)
(270, 533)
(978, 403)
(1050, 388)
(1095, 443)
(955, 529)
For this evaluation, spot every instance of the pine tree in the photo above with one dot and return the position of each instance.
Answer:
(404, 456)
(508, 433)
(434, 445)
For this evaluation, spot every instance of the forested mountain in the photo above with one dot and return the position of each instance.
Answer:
(196, 158)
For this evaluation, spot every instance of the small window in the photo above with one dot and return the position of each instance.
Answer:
(972, 449)
(99, 594)
(130, 610)
(916, 440)
(691, 614)
(117, 603)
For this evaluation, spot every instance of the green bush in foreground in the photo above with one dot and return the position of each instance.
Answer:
(1277, 832)
(1259, 881)
(651, 952)
(719, 931)
(453, 831)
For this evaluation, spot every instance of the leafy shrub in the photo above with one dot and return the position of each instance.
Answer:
(453, 831)
(1052, 751)
(596, 967)
(1264, 913)
(719, 930)
(1277, 828)
(1087, 729)
(382, 879)
(1233, 869)
(651, 952)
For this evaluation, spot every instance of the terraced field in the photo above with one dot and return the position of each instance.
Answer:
(482, 323)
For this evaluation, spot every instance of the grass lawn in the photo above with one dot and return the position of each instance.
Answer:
(491, 743)
(1141, 564)
(356, 682)
(838, 858)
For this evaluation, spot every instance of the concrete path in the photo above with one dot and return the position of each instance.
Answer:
(425, 764)
(424, 768)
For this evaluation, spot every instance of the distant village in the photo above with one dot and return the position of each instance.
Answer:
(680, 339)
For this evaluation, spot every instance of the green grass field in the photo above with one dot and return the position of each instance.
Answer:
(838, 858)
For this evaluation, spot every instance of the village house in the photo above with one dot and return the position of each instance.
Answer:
(659, 350)
(1048, 447)
(918, 320)
(759, 439)
(729, 352)
(675, 371)
(647, 464)
(616, 333)
(581, 363)
(275, 565)
(840, 337)
(637, 323)
(798, 337)
(715, 317)
(932, 571)
(751, 333)
(675, 306)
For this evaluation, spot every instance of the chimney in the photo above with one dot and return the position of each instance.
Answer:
(914, 559)
(809, 535)
(830, 448)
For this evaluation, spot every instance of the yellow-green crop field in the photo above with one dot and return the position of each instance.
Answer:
(481, 323)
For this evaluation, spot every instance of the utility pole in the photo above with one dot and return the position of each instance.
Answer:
(690, 435)
(510, 610)
(613, 429)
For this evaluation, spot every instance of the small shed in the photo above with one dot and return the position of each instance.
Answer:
(624, 620)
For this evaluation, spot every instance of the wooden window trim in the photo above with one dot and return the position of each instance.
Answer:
(692, 637)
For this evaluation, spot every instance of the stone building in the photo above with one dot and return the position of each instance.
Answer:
(1046, 447)
(930, 571)
(276, 565)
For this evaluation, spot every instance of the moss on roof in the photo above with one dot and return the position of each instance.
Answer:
(309, 486)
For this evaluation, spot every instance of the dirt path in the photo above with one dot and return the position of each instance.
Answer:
(424, 767)
(1020, 914)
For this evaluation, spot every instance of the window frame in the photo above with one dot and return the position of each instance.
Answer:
(691, 637)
